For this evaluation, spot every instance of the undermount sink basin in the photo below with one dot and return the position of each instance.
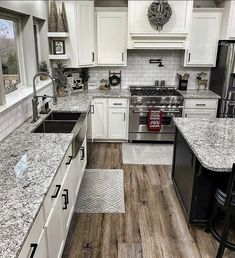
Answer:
(55, 127)
(63, 116)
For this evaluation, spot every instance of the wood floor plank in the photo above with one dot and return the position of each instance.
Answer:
(153, 226)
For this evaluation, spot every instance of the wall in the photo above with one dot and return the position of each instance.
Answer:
(15, 116)
(140, 72)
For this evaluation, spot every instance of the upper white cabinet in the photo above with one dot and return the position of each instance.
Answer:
(203, 38)
(173, 34)
(227, 31)
(81, 21)
(111, 38)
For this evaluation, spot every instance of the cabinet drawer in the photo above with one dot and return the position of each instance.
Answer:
(34, 238)
(200, 103)
(53, 194)
(117, 102)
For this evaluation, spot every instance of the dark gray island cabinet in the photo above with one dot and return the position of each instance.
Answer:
(204, 153)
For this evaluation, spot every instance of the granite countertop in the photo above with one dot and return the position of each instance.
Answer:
(211, 140)
(199, 94)
(28, 165)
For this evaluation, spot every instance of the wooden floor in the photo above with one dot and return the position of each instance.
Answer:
(153, 225)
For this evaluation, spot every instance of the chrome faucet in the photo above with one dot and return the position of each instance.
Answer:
(35, 97)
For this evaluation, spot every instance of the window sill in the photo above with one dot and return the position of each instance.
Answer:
(24, 92)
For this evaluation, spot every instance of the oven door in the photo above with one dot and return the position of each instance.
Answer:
(138, 122)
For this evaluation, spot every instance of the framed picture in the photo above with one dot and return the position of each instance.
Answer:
(58, 47)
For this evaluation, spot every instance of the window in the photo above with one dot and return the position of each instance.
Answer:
(9, 54)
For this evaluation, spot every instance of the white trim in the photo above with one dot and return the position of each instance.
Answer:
(24, 92)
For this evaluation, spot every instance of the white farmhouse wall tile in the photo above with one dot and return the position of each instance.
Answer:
(140, 71)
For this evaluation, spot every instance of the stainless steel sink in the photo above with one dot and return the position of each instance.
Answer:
(65, 122)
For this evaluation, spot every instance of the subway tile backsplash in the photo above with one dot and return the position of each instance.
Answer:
(15, 116)
(140, 72)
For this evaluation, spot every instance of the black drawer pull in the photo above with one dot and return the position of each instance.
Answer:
(69, 160)
(67, 195)
(117, 104)
(57, 191)
(201, 105)
(34, 248)
(82, 153)
(65, 207)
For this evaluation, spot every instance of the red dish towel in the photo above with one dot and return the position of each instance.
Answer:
(154, 120)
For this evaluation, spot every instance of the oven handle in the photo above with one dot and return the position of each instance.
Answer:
(169, 111)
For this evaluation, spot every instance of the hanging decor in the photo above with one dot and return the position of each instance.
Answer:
(53, 17)
(159, 13)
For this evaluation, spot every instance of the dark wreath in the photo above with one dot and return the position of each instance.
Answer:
(159, 13)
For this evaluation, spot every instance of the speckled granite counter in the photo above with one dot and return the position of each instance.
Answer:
(28, 165)
(202, 94)
(211, 140)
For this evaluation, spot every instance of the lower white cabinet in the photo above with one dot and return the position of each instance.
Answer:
(117, 127)
(200, 108)
(49, 231)
(109, 119)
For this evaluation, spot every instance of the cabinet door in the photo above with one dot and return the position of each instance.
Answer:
(68, 200)
(55, 231)
(199, 113)
(86, 33)
(203, 39)
(99, 119)
(178, 23)
(232, 21)
(117, 125)
(111, 36)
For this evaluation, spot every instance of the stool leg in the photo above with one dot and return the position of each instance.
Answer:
(224, 235)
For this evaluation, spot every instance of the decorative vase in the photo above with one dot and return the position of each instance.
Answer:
(43, 77)
(60, 91)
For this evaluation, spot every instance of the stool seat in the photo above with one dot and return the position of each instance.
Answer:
(220, 196)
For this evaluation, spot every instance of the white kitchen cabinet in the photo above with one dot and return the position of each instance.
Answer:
(111, 38)
(86, 33)
(81, 43)
(227, 31)
(203, 38)
(54, 229)
(99, 118)
(143, 35)
(200, 108)
(110, 119)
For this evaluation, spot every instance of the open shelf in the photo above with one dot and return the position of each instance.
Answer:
(59, 57)
(58, 34)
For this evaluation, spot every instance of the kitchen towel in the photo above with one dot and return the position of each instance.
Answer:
(101, 191)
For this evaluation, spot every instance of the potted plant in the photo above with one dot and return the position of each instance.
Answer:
(43, 68)
(84, 74)
(60, 79)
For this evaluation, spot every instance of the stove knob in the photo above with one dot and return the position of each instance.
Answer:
(148, 103)
(140, 103)
(173, 104)
(134, 103)
(154, 103)
(162, 103)
(167, 104)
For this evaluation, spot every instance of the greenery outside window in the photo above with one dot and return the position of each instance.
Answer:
(9, 53)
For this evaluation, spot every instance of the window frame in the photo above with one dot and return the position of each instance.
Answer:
(19, 47)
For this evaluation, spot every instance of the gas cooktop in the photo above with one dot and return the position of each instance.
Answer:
(154, 91)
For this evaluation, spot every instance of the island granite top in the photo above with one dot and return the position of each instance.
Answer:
(199, 94)
(211, 140)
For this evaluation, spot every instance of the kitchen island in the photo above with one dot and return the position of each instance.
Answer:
(204, 153)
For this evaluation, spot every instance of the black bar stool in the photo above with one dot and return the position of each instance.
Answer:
(224, 200)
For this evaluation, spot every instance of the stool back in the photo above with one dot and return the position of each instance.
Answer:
(229, 191)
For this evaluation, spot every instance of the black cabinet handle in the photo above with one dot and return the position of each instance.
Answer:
(34, 248)
(57, 191)
(189, 57)
(65, 207)
(201, 105)
(93, 56)
(82, 153)
(69, 160)
(67, 195)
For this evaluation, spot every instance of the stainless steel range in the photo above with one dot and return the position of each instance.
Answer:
(145, 99)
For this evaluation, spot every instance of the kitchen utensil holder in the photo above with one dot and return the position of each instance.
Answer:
(183, 84)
